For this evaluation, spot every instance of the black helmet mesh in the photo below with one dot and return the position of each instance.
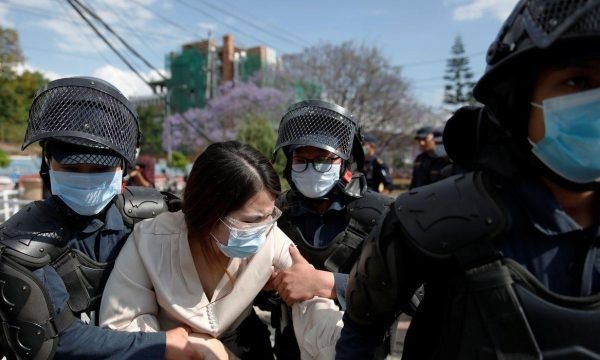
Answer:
(312, 124)
(548, 20)
(86, 116)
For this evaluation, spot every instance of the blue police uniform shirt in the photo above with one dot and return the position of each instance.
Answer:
(101, 240)
(321, 230)
(376, 173)
(562, 255)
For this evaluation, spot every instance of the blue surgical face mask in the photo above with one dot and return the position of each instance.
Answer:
(314, 184)
(571, 143)
(243, 243)
(86, 193)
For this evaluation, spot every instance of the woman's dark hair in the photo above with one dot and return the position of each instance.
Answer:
(223, 178)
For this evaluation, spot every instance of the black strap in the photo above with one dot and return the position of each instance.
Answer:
(67, 267)
(491, 287)
(348, 248)
(63, 320)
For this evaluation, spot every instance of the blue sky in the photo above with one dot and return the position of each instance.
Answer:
(416, 35)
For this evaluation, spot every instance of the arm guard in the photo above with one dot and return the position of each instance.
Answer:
(454, 219)
(372, 293)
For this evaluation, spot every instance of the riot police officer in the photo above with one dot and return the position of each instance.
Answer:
(376, 170)
(508, 252)
(429, 164)
(56, 254)
(327, 212)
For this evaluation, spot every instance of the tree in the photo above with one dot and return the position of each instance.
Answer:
(459, 89)
(179, 161)
(4, 159)
(151, 119)
(223, 116)
(359, 78)
(258, 132)
(10, 51)
(15, 100)
(16, 90)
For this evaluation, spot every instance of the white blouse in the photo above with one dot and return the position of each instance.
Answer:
(155, 286)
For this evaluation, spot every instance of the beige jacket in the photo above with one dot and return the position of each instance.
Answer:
(154, 286)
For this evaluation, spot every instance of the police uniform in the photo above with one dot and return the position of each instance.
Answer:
(507, 273)
(330, 240)
(54, 262)
(377, 173)
(428, 168)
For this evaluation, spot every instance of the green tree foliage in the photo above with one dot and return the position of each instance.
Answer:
(459, 87)
(151, 119)
(10, 51)
(258, 132)
(4, 159)
(16, 90)
(16, 94)
(178, 161)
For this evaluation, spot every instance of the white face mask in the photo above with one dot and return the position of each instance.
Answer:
(314, 184)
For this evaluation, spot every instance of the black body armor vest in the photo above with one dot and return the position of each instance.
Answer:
(341, 253)
(491, 307)
(37, 236)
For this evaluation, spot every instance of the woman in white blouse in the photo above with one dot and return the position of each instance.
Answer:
(202, 267)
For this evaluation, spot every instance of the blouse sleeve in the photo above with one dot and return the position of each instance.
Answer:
(129, 302)
(282, 258)
(317, 325)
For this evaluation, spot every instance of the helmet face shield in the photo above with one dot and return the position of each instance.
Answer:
(87, 112)
(319, 124)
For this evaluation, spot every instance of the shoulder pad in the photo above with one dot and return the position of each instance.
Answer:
(369, 208)
(445, 216)
(137, 203)
(35, 235)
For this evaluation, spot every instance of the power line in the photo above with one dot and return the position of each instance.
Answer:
(45, 15)
(278, 28)
(427, 62)
(165, 19)
(254, 25)
(80, 13)
(219, 21)
(74, 6)
(66, 11)
(133, 31)
(121, 40)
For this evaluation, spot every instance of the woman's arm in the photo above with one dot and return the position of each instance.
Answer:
(129, 302)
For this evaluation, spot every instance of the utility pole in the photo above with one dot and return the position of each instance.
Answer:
(209, 68)
(168, 125)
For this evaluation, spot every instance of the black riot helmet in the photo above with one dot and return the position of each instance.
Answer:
(323, 125)
(87, 115)
(536, 31)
